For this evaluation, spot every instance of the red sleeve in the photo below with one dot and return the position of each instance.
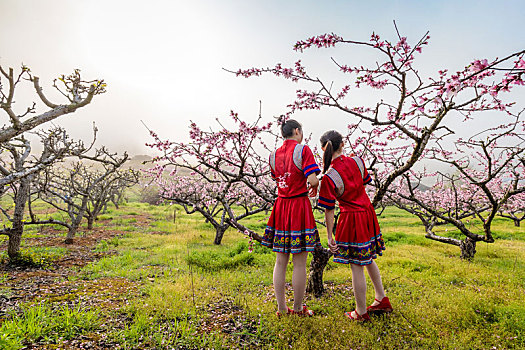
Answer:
(327, 193)
(309, 164)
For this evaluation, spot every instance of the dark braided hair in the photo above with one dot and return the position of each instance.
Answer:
(287, 127)
(332, 140)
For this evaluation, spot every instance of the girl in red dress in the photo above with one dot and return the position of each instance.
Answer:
(291, 227)
(358, 239)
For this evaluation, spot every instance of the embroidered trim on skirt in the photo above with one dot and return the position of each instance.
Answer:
(291, 227)
(359, 253)
(358, 237)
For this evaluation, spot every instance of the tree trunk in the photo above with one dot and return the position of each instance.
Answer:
(118, 199)
(115, 203)
(468, 248)
(75, 224)
(219, 233)
(90, 220)
(70, 235)
(76, 219)
(72, 229)
(517, 223)
(315, 278)
(96, 213)
(13, 247)
(15, 236)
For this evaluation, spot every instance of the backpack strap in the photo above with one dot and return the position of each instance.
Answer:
(298, 156)
(337, 180)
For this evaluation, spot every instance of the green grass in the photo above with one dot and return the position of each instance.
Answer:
(106, 245)
(148, 330)
(45, 324)
(195, 294)
(440, 300)
(42, 257)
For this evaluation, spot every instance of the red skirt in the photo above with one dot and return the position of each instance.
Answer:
(291, 227)
(358, 237)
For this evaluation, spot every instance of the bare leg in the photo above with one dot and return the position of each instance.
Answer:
(299, 280)
(279, 280)
(359, 285)
(375, 276)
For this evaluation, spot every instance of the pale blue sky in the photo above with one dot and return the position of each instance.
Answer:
(162, 60)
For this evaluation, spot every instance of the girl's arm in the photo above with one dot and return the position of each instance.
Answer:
(314, 183)
(329, 219)
(310, 170)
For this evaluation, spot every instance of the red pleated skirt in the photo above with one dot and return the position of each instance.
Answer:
(291, 227)
(358, 237)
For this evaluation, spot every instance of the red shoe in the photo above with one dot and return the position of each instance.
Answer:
(384, 306)
(288, 312)
(305, 312)
(360, 318)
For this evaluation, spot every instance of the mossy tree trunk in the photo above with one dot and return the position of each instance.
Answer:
(17, 229)
(321, 256)
(468, 249)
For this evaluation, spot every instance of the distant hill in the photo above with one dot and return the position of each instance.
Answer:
(421, 187)
(141, 158)
(136, 162)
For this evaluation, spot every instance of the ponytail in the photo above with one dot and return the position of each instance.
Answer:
(332, 140)
(327, 156)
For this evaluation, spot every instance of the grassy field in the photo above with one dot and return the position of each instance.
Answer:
(154, 282)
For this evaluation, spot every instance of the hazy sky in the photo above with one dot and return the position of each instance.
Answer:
(163, 60)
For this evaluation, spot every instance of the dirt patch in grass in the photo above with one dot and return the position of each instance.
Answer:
(227, 317)
(79, 253)
(56, 283)
(219, 315)
(105, 293)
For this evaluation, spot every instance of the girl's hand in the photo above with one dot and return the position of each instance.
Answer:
(312, 191)
(332, 245)
(312, 180)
